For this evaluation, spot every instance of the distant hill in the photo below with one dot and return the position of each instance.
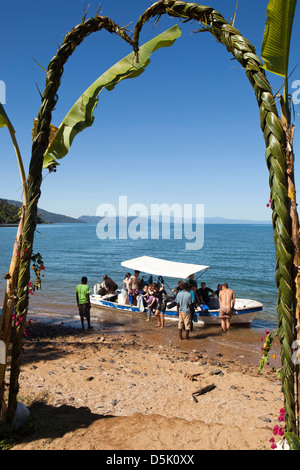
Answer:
(9, 214)
(50, 217)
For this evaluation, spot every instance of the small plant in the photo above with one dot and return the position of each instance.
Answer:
(268, 343)
(37, 267)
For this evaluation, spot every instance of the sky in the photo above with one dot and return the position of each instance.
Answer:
(187, 131)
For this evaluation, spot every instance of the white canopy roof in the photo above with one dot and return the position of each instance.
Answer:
(162, 267)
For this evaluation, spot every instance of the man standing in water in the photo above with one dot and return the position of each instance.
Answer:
(227, 300)
(83, 302)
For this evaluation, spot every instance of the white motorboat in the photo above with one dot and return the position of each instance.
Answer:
(245, 310)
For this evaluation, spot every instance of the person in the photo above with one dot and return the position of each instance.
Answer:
(178, 288)
(134, 286)
(144, 294)
(191, 281)
(193, 289)
(192, 292)
(151, 300)
(161, 306)
(227, 300)
(126, 283)
(203, 293)
(185, 310)
(125, 289)
(83, 302)
(134, 280)
(219, 288)
(109, 285)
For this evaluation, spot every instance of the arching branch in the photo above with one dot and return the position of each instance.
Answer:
(275, 140)
(49, 99)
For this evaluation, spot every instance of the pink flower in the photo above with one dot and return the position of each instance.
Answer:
(282, 415)
(273, 446)
(278, 431)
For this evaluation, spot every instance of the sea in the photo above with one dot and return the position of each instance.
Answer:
(242, 255)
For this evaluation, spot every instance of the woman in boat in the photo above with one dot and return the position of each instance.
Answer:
(134, 286)
(126, 288)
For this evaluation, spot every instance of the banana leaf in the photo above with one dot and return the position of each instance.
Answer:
(4, 121)
(81, 114)
(293, 441)
(277, 36)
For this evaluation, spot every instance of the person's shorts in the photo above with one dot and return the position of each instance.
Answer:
(84, 310)
(184, 321)
(225, 312)
(161, 306)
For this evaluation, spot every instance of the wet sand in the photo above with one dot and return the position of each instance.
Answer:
(127, 385)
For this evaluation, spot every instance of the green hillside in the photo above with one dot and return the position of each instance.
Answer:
(9, 213)
(45, 217)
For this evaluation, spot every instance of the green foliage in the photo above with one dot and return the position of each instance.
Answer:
(81, 116)
(268, 343)
(293, 441)
(3, 117)
(10, 214)
(277, 36)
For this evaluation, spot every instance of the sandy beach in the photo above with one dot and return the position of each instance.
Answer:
(102, 390)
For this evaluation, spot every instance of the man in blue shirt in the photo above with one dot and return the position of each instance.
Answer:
(185, 311)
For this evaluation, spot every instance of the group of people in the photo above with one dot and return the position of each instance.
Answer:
(154, 299)
(188, 296)
(151, 296)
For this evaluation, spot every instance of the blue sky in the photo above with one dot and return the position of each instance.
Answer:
(186, 131)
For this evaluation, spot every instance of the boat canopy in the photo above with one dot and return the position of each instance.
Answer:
(162, 267)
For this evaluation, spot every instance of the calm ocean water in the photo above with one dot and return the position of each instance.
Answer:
(242, 255)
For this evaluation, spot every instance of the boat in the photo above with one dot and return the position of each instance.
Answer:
(245, 310)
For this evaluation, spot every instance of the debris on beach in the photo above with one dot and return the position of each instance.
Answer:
(202, 391)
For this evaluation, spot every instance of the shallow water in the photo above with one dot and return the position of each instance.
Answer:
(242, 255)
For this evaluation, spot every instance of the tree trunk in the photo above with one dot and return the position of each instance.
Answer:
(9, 305)
(295, 238)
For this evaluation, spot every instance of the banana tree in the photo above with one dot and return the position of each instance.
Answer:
(12, 275)
(51, 144)
(278, 155)
(275, 52)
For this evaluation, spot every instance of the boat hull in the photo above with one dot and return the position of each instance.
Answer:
(245, 311)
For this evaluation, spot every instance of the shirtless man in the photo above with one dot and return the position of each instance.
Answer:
(227, 300)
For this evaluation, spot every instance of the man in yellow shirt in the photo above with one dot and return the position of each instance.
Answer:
(83, 302)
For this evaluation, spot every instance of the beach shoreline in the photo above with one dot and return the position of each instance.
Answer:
(107, 389)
